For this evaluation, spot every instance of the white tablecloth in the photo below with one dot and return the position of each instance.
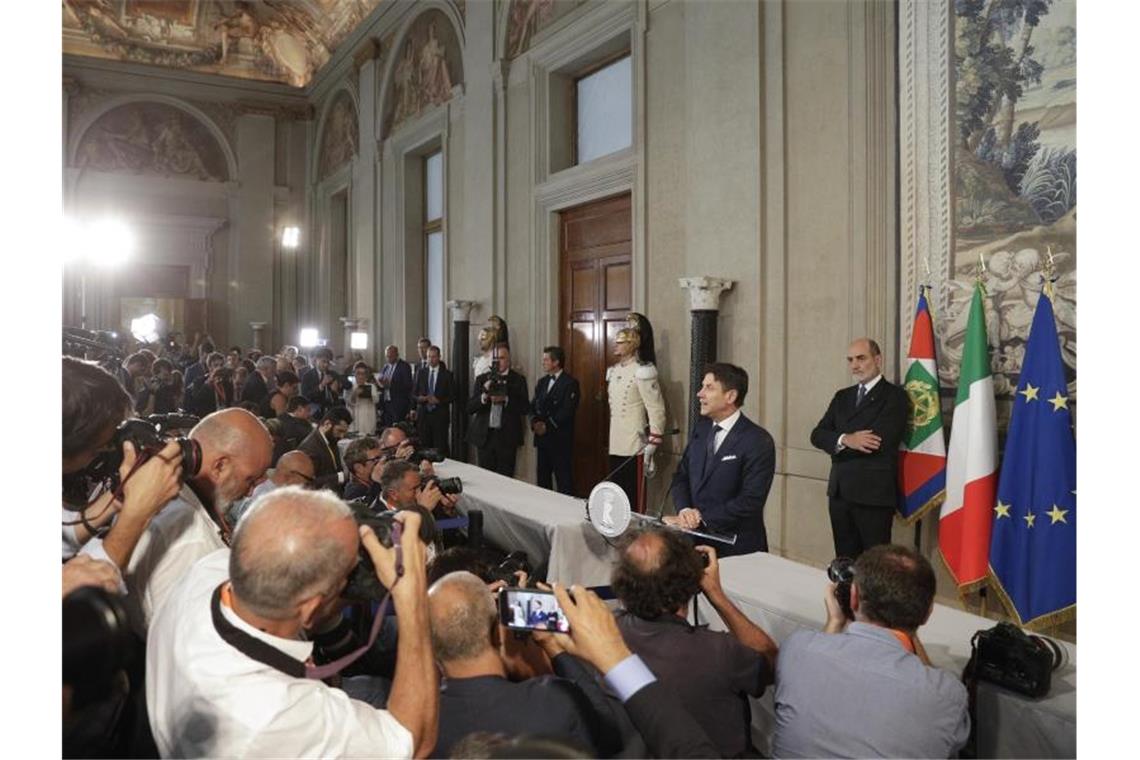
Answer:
(550, 527)
(780, 595)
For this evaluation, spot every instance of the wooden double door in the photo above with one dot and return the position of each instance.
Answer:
(596, 284)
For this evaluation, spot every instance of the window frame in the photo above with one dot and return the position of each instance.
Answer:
(587, 71)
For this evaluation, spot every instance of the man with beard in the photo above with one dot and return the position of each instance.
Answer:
(321, 446)
(236, 449)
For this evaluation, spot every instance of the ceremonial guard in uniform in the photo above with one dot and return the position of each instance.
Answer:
(635, 400)
(495, 331)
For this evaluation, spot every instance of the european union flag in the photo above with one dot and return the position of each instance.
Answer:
(1033, 548)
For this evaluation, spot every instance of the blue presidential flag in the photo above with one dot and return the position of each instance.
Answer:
(1033, 547)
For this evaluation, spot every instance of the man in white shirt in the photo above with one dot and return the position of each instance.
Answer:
(226, 659)
(236, 450)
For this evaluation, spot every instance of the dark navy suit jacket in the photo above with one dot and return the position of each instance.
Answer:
(731, 492)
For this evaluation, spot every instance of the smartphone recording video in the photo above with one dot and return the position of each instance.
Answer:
(526, 609)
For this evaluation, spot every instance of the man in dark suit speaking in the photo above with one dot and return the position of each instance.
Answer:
(727, 468)
(861, 430)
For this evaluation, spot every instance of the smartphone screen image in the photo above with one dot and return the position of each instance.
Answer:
(531, 610)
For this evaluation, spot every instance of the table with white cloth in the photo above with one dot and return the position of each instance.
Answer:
(550, 527)
(782, 596)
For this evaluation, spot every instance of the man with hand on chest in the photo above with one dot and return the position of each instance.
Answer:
(861, 430)
(727, 468)
(555, 404)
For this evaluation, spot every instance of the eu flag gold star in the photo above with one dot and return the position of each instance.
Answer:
(1058, 515)
(1001, 509)
(1029, 518)
(1029, 392)
(1059, 402)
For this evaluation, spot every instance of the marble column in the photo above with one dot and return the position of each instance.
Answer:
(351, 325)
(704, 304)
(461, 374)
(259, 335)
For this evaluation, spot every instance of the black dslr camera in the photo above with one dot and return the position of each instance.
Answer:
(149, 437)
(1013, 659)
(363, 584)
(841, 572)
(447, 486)
(497, 383)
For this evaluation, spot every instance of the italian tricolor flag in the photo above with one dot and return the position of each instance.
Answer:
(922, 452)
(971, 471)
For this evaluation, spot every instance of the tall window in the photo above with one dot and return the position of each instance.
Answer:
(603, 102)
(433, 245)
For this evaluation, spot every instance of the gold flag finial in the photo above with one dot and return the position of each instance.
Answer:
(1050, 273)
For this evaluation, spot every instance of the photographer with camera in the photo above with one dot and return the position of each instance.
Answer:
(94, 404)
(396, 442)
(477, 694)
(235, 452)
(402, 486)
(497, 406)
(362, 400)
(319, 383)
(865, 687)
(365, 462)
(213, 392)
(133, 372)
(713, 673)
(160, 394)
(230, 648)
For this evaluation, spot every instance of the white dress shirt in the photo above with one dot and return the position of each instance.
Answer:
(867, 386)
(177, 537)
(208, 699)
(725, 425)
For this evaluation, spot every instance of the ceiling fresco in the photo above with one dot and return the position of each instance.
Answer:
(285, 41)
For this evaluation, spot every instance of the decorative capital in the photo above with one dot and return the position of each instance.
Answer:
(258, 325)
(461, 310)
(704, 292)
(352, 323)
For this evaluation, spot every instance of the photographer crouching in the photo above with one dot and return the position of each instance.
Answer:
(103, 709)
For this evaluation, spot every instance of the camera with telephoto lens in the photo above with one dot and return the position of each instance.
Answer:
(363, 583)
(447, 486)
(422, 454)
(841, 572)
(496, 383)
(97, 643)
(505, 571)
(149, 438)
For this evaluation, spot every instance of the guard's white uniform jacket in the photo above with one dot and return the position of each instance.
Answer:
(635, 398)
(481, 364)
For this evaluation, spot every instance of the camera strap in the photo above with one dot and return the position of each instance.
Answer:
(267, 654)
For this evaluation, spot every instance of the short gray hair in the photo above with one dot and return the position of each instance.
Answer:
(267, 362)
(462, 613)
(281, 552)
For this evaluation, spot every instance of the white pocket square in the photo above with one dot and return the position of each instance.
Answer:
(728, 458)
